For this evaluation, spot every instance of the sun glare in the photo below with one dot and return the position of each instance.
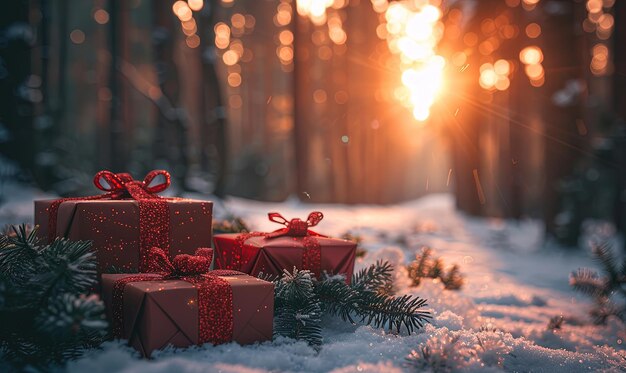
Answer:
(413, 29)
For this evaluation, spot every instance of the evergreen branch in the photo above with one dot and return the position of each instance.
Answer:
(338, 299)
(604, 256)
(394, 312)
(588, 282)
(425, 266)
(376, 277)
(40, 293)
(603, 289)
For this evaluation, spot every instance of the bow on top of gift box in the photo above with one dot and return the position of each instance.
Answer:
(215, 298)
(294, 227)
(122, 185)
(154, 218)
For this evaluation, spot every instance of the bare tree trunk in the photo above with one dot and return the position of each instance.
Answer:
(214, 124)
(562, 63)
(467, 116)
(299, 108)
(619, 106)
(17, 94)
(171, 145)
(117, 159)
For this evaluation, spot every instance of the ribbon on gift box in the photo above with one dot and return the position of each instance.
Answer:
(154, 216)
(215, 296)
(297, 228)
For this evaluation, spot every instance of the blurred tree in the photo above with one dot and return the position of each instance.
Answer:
(563, 108)
(214, 125)
(619, 106)
(19, 88)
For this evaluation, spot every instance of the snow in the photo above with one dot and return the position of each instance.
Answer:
(498, 320)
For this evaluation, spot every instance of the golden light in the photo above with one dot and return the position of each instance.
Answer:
(502, 67)
(189, 27)
(182, 10)
(195, 5)
(599, 64)
(315, 10)
(413, 30)
(222, 35)
(238, 20)
(531, 55)
(285, 37)
(193, 41)
(534, 72)
(230, 58)
(234, 79)
(533, 30)
(101, 16)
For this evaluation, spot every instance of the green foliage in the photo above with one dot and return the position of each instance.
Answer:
(427, 266)
(300, 301)
(46, 319)
(609, 290)
(297, 311)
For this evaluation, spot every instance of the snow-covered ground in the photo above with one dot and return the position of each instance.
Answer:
(498, 320)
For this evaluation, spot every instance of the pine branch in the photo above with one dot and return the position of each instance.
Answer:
(425, 266)
(377, 277)
(453, 280)
(604, 255)
(339, 299)
(603, 289)
(393, 313)
(19, 247)
(297, 311)
(588, 282)
(50, 321)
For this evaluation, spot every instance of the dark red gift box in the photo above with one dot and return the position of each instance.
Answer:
(127, 220)
(152, 311)
(292, 246)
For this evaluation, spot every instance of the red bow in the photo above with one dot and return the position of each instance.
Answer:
(296, 227)
(182, 265)
(123, 184)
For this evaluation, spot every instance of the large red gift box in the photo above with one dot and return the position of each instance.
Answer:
(127, 220)
(153, 311)
(293, 246)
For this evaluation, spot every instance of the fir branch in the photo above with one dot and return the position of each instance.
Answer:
(393, 313)
(377, 277)
(427, 266)
(605, 288)
(50, 321)
(19, 248)
(339, 299)
(297, 311)
(588, 282)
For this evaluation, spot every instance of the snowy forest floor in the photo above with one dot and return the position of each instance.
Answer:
(498, 320)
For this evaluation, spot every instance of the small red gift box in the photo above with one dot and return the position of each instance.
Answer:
(127, 220)
(292, 246)
(185, 304)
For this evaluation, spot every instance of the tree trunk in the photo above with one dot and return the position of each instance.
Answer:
(214, 125)
(563, 143)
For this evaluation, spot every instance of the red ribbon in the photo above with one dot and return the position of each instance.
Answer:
(154, 217)
(215, 296)
(312, 255)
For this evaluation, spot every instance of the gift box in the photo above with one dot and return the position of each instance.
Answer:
(127, 220)
(289, 247)
(183, 307)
